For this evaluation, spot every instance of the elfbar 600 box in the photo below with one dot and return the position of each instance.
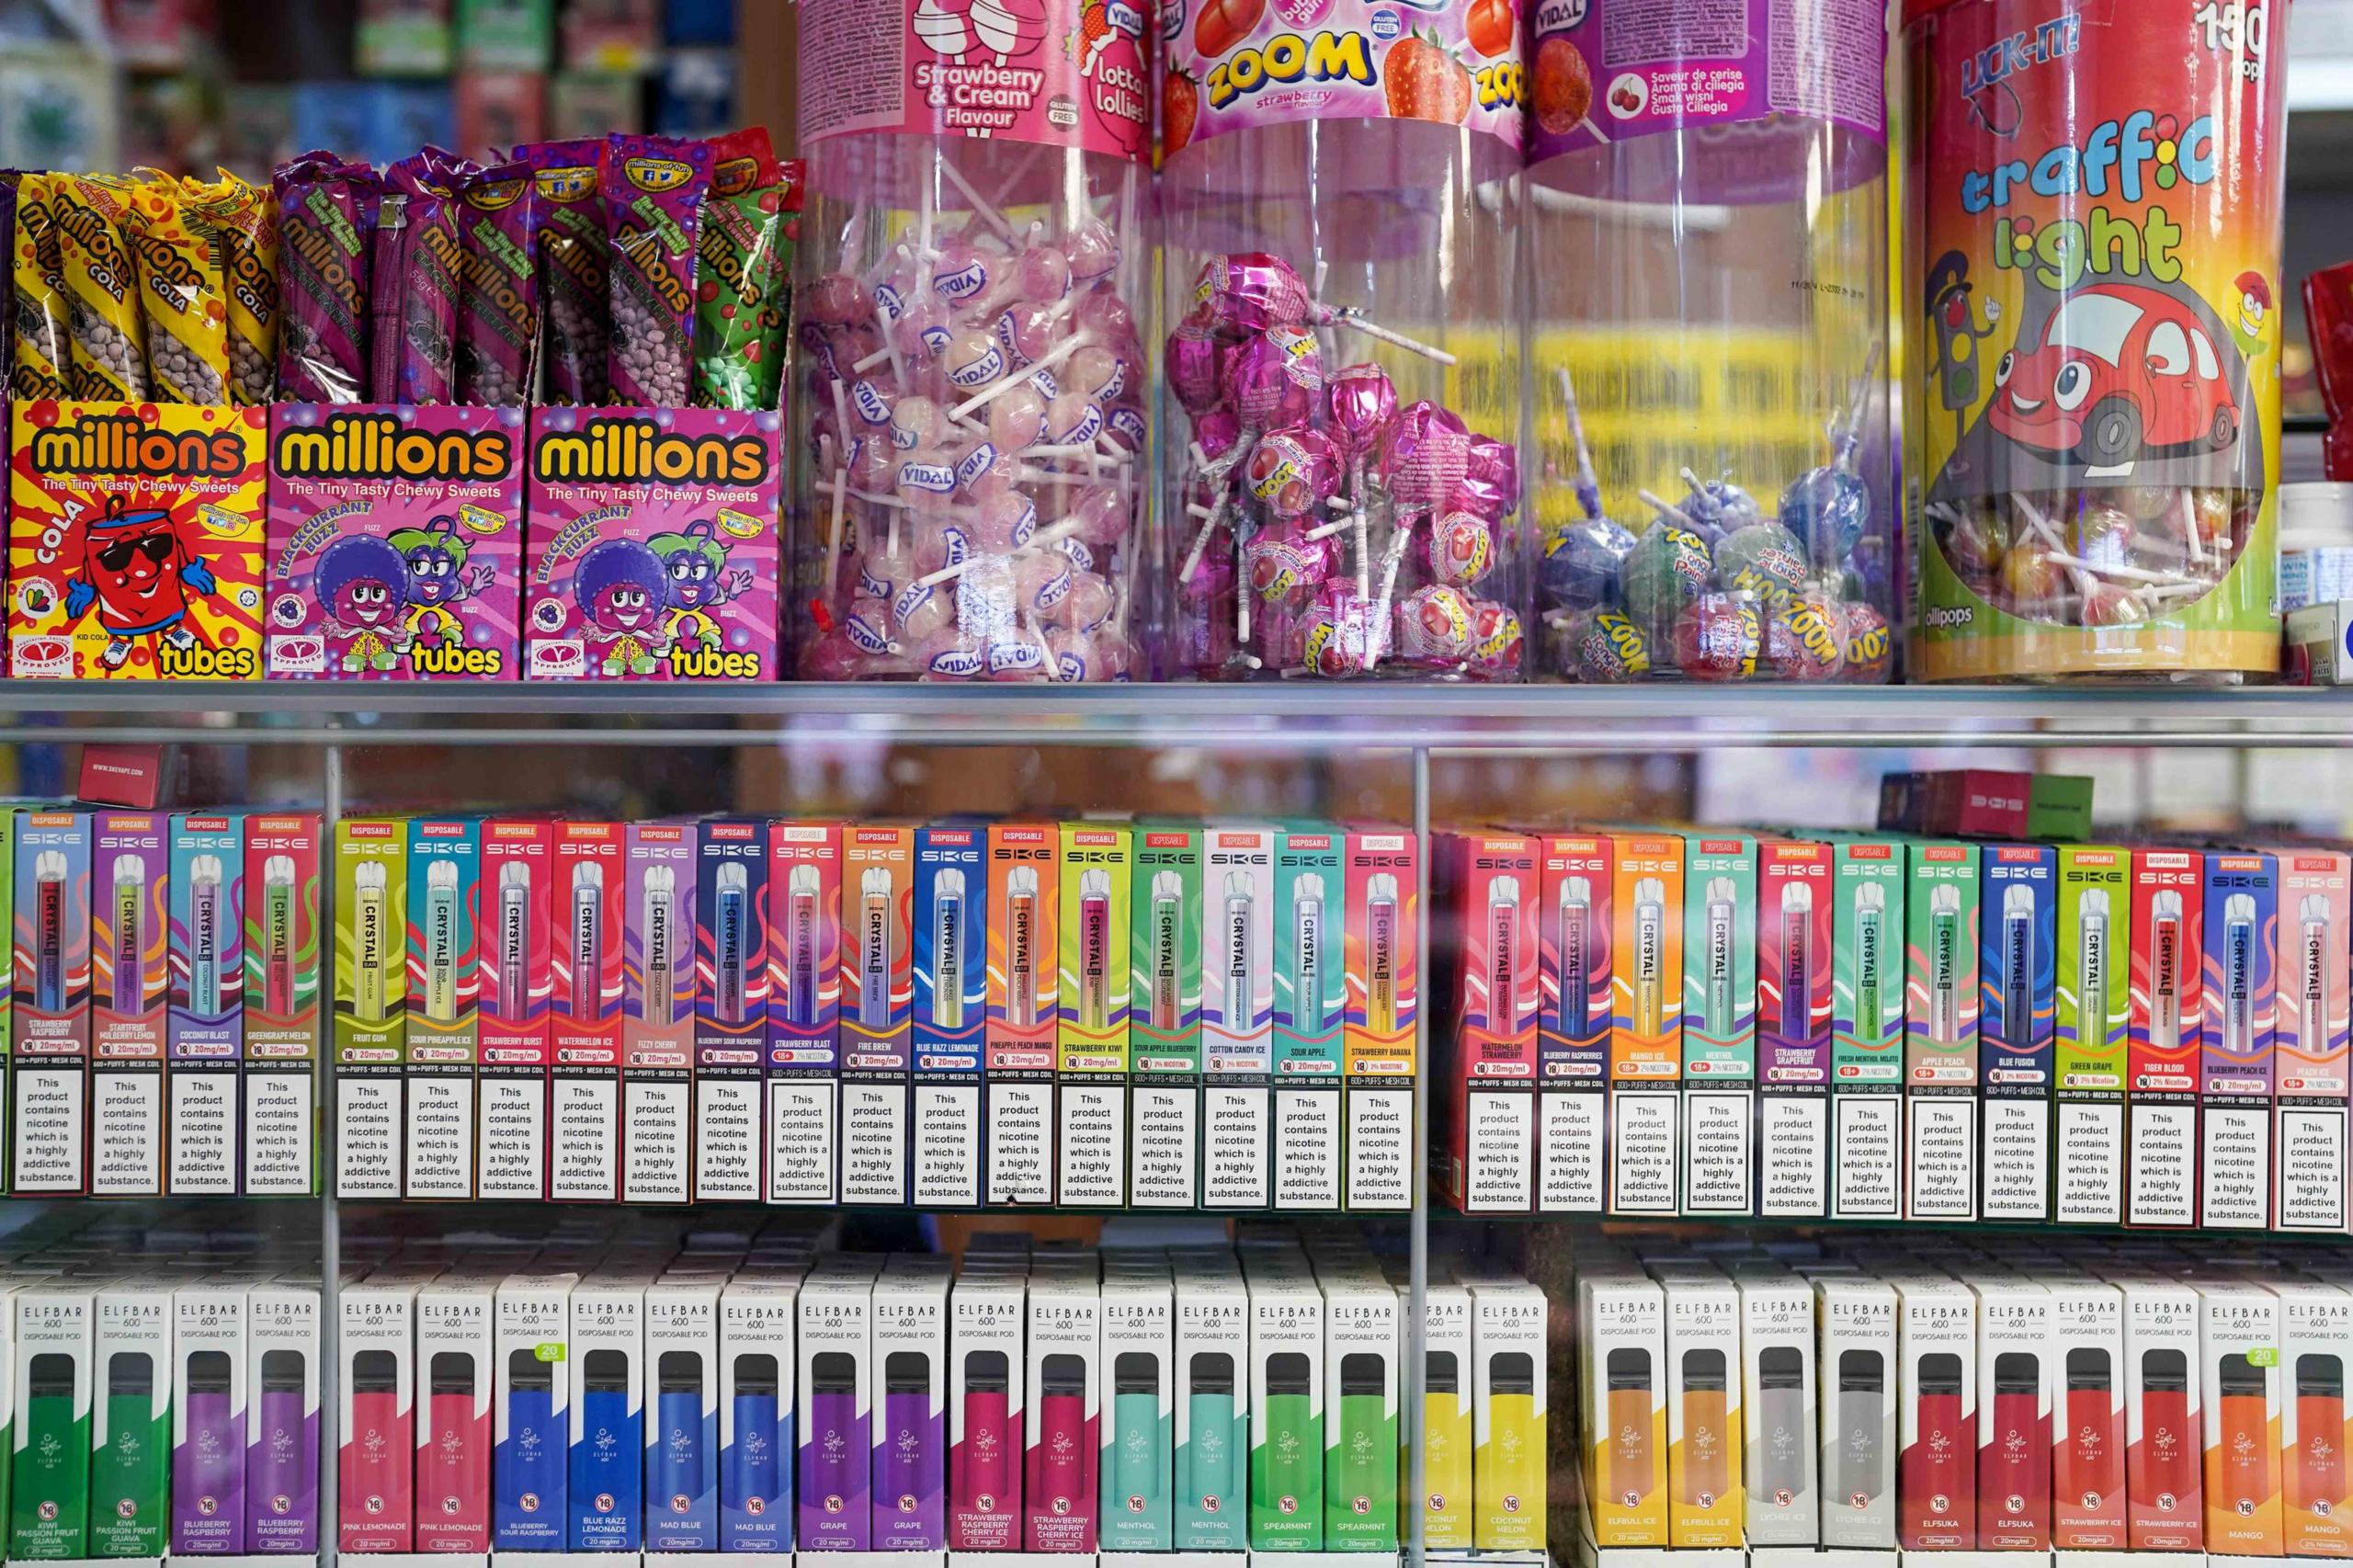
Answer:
(659, 1022)
(283, 1346)
(131, 1422)
(2013, 1380)
(1941, 1047)
(1703, 1420)
(2315, 1338)
(878, 884)
(950, 976)
(49, 1371)
(2315, 932)
(1719, 1024)
(444, 985)
(1866, 1030)
(531, 1411)
(1936, 1483)
(1623, 1380)
(1091, 1035)
(1779, 1417)
(48, 1143)
(586, 1109)
(805, 945)
(131, 859)
(1165, 945)
(718, 1127)
(1794, 964)
(2161, 1058)
(284, 1004)
(2086, 1377)
(205, 1029)
(680, 1376)
(1023, 887)
(2238, 1363)
(371, 1004)
(1237, 1020)
(2163, 1415)
(2018, 961)
(1382, 959)
(1573, 1024)
(1310, 996)
(756, 1406)
(1856, 1376)
(1487, 888)
(2095, 1018)
(1646, 1024)
(2236, 1075)
(987, 1314)
(516, 921)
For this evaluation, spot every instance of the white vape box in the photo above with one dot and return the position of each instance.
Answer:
(1446, 1353)
(2316, 1344)
(456, 1334)
(1212, 1342)
(1702, 1352)
(1138, 1328)
(283, 1341)
(2238, 1354)
(1286, 1322)
(1937, 1328)
(376, 1323)
(1508, 1319)
(1778, 1419)
(531, 1322)
(987, 1318)
(1856, 1375)
(2086, 1380)
(2161, 1349)
(1623, 1377)
(133, 1336)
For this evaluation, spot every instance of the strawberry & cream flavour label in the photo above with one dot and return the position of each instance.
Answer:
(1231, 65)
(1072, 74)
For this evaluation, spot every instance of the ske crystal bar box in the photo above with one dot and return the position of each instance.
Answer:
(720, 1128)
(1866, 1078)
(206, 985)
(1794, 964)
(2163, 1056)
(48, 1141)
(586, 1110)
(661, 1018)
(284, 1001)
(1167, 947)
(516, 925)
(371, 1004)
(1310, 996)
(1487, 888)
(444, 1035)
(1024, 888)
(130, 962)
(1237, 1025)
(805, 946)
(2094, 1028)
(1382, 1051)
(951, 1010)
(878, 881)
(2237, 1062)
(1941, 1045)
(1091, 1037)
(2309, 1133)
(1573, 1024)
(1719, 1159)
(1646, 1024)
(2018, 965)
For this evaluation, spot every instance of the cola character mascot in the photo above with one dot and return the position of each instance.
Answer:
(136, 570)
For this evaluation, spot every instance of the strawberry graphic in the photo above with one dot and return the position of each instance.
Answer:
(1180, 107)
(1423, 80)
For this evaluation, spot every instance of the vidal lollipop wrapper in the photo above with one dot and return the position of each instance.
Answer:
(498, 318)
(326, 225)
(414, 303)
(43, 353)
(654, 188)
(743, 269)
(243, 220)
(181, 296)
(109, 340)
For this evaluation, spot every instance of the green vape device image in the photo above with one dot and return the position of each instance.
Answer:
(129, 1469)
(49, 1510)
(1136, 1463)
(1360, 1465)
(1287, 1458)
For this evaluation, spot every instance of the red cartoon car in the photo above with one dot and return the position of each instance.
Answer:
(2123, 371)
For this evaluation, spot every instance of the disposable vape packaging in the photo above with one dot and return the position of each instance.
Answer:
(8, 819)
(49, 1480)
(282, 1000)
(1136, 1395)
(1573, 1021)
(1719, 1024)
(2235, 1065)
(515, 916)
(205, 985)
(1381, 1057)
(1509, 1418)
(1237, 1019)
(456, 1341)
(834, 1376)
(2238, 1362)
(531, 1411)
(280, 1442)
(755, 1409)
(2093, 1036)
(720, 1124)
(1362, 1346)
(1488, 889)
(130, 1420)
(443, 955)
(1941, 899)
(1936, 1467)
(878, 881)
(950, 1025)
(1624, 1378)
(50, 1028)
(1165, 946)
(680, 1376)
(2164, 1053)
(370, 1005)
(1794, 964)
(2015, 1346)
(603, 1352)
(1778, 1429)
(1448, 1432)
(1860, 1345)
(1024, 886)
(1705, 1507)
(1867, 1030)
(910, 1372)
(987, 1326)
(2017, 968)
(2315, 1340)
(804, 948)
(2163, 1415)
(2316, 934)
(1062, 1447)
(2085, 1372)
(661, 1021)
(209, 1369)
(1310, 1007)
(1213, 1409)
(588, 1114)
(1288, 1417)
(130, 863)
(376, 1424)
(1091, 1055)
(1646, 1024)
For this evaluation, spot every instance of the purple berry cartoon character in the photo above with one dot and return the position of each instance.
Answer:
(438, 572)
(362, 584)
(694, 562)
(624, 596)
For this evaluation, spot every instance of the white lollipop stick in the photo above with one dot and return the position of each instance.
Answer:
(1037, 544)
(989, 214)
(2191, 527)
(1364, 534)
(1242, 595)
(1201, 542)
(2054, 547)
(1046, 361)
(1588, 487)
(1348, 317)
(1080, 453)
(2125, 574)
(1666, 509)
(1396, 557)
(1598, 133)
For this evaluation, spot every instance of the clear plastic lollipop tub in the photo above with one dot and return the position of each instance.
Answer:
(1707, 228)
(969, 413)
(1341, 368)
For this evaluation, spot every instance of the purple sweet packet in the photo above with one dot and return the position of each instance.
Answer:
(417, 265)
(326, 225)
(498, 319)
(569, 212)
(654, 188)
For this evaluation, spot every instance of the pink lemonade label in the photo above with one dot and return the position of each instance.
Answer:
(1065, 74)
(1232, 64)
(1608, 70)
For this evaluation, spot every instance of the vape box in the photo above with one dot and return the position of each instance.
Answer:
(49, 1029)
(1868, 933)
(2316, 1339)
(130, 1421)
(604, 1351)
(1362, 1347)
(1311, 1005)
(209, 1369)
(50, 1461)
(531, 1411)
(1857, 1376)
(986, 1324)
(2163, 1415)
(1448, 1435)
(2235, 1072)
(1488, 889)
(375, 1342)
(878, 881)
(444, 989)
(456, 1334)
(1646, 1027)
(1623, 1376)
(661, 1015)
(1793, 967)
(723, 1118)
(586, 1113)
(1237, 1017)
(1937, 1432)
(282, 1000)
(756, 1405)
(804, 943)
(1165, 945)
(1705, 1507)
(1381, 1043)
(1509, 1421)
(2309, 1058)
(2085, 1374)
(516, 993)
(1091, 1054)
(205, 985)
(1573, 1022)
(1135, 1466)
(1212, 1409)
(835, 1375)
(680, 1375)
(283, 1346)
(8, 818)
(1024, 886)
(2015, 1346)
(1719, 1024)
(2092, 1046)
(2238, 1366)
(1288, 1417)
(949, 1022)
(130, 862)
(1064, 1353)
(370, 1005)
(2164, 1053)
(910, 1372)
(1778, 1430)
(1941, 1043)
(2017, 967)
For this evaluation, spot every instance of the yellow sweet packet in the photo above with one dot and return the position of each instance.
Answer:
(109, 340)
(243, 223)
(42, 356)
(180, 297)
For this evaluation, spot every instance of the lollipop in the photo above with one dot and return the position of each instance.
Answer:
(1292, 471)
(1828, 508)
(1253, 290)
(1434, 624)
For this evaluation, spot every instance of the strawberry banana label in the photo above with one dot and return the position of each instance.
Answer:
(1235, 63)
(1070, 73)
(1607, 70)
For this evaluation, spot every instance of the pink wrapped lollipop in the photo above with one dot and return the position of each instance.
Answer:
(1293, 471)
(1253, 290)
